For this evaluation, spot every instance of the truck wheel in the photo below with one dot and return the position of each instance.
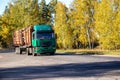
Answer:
(34, 54)
(27, 51)
(18, 50)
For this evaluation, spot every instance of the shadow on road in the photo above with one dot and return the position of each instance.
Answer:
(63, 70)
(6, 51)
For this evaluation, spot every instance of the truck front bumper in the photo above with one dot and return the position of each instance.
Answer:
(39, 50)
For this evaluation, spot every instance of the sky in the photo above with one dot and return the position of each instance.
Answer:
(4, 3)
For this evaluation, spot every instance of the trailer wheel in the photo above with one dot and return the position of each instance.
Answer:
(18, 50)
(27, 51)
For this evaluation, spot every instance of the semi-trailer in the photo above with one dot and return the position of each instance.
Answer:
(36, 39)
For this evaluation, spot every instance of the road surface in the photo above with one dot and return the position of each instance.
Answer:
(58, 67)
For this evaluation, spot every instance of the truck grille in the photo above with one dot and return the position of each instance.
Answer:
(45, 44)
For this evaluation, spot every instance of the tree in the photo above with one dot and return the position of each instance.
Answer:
(6, 29)
(83, 22)
(115, 23)
(32, 13)
(106, 27)
(61, 27)
(44, 12)
(51, 8)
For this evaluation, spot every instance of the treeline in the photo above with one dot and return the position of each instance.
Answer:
(85, 24)
(88, 24)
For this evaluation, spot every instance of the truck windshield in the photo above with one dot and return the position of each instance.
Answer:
(45, 35)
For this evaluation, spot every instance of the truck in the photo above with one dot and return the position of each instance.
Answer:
(34, 40)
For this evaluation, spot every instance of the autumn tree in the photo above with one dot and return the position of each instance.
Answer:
(51, 8)
(27, 12)
(62, 29)
(6, 28)
(31, 12)
(115, 35)
(82, 22)
(106, 26)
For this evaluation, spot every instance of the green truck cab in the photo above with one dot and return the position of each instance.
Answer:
(43, 39)
(37, 39)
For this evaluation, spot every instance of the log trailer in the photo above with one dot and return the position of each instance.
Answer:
(37, 39)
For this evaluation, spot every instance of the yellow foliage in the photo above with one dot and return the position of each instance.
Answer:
(61, 27)
(107, 24)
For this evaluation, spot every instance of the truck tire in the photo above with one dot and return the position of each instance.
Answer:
(18, 50)
(34, 54)
(27, 51)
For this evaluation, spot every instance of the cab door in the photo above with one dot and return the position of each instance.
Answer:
(33, 39)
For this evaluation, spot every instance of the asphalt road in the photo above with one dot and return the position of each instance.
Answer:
(58, 67)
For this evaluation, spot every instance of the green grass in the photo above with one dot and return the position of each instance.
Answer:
(89, 52)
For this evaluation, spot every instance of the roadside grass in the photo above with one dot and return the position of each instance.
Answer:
(88, 51)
